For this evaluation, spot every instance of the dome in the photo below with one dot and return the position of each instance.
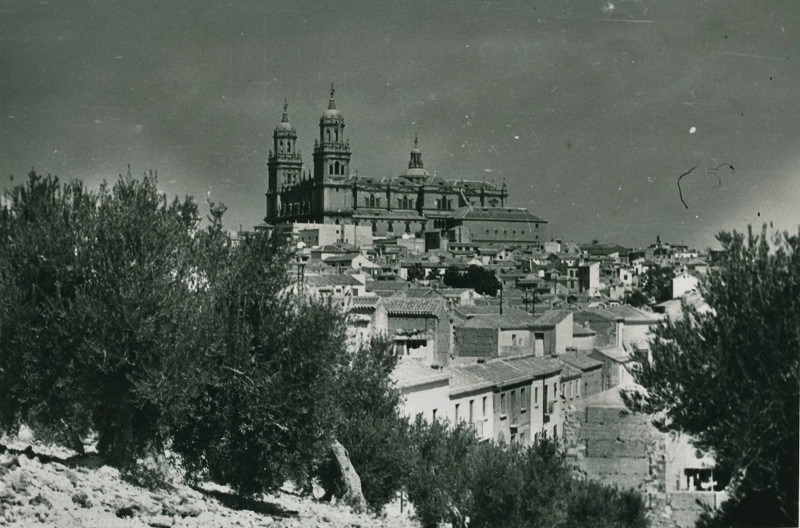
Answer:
(331, 113)
(416, 172)
(284, 127)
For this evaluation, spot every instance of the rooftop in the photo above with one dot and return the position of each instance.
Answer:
(410, 372)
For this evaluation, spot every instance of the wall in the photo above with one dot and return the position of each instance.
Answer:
(482, 422)
(563, 335)
(425, 398)
(606, 442)
(475, 342)
(515, 342)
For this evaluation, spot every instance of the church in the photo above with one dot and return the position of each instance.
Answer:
(412, 202)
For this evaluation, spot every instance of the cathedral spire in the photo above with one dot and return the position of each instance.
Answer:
(285, 118)
(416, 155)
(332, 102)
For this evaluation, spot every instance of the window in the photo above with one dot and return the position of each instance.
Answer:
(522, 403)
(536, 395)
(433, 415)
(408, 227)
(513, 400)
(471, 411)
(391, 227)
(513, 339)
(503, 403)
(484, 406)
(456, 417)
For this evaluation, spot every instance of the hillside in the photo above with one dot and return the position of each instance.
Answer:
(42, 487)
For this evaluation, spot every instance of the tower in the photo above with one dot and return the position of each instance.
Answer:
(284, 166)
(331, 150)
(416, 173)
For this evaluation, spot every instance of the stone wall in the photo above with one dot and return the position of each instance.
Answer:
(608, 443)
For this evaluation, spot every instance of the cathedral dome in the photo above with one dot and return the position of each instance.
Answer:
(332, 112)
(285, 125)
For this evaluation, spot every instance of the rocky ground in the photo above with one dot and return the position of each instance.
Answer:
(40, 488)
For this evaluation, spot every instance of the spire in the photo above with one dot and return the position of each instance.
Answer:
(285, 118)
(416, 155)
(332, 102)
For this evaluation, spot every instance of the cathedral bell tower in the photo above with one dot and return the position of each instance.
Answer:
(284, 167)
(331, 150)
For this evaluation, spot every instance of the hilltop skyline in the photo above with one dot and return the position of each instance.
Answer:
(590, 111)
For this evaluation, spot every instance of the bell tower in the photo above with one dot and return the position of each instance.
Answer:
(284, 167)
(331, 150)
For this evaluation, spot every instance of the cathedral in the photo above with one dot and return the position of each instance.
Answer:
(412, 202)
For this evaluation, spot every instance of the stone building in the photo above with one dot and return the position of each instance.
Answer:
(412, 202)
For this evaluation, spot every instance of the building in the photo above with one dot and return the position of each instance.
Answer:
(412, 202)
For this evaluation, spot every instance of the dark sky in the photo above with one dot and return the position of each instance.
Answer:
(589, 110)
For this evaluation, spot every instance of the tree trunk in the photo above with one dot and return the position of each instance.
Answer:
(351, 482)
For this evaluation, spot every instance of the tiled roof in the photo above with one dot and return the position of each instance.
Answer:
(420, 306)
(502, 372)
(617, 354)
(497, 213)
(382, 214)
(486, 309)
(505, 321)
(416, 293)
(339, 258)
(579, 330)
(570, 372)
(632, 315)
(337, 279)
(410, 372)
(580, 360)
(551, 318)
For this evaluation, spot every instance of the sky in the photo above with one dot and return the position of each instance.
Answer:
(590, 111)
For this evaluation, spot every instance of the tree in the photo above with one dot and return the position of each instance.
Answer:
(729, 377)
(370, 426)
(657, 284)
(416, 272)
(259, 399)
(638, 299)
(480, 279)
(95, 289)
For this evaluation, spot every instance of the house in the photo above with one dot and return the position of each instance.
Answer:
(419, 327)
(591, 372)
(425, 389)
(492, 336)
(684, 283)
(525, 402)
(336, 285)
(583, 338)
(472, 402)
(460, 296)
(552, 333)
(616, 366)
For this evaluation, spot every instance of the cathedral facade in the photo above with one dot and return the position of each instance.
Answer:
(412, 202)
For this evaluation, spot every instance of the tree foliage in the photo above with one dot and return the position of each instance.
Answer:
(94, 286)
(657, 284)
(729, 377)
(261, 403)
(370, 426)
(480, 279)
(416, 272)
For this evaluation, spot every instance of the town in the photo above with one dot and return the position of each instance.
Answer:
(498, 327)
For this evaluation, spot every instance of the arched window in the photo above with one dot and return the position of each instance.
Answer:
(336, 168)
(336, 221)
(377, 202)
(328, 133)
(372, 200)
(399, 203)
(411, 203)
(391, 227)
(408, 227)
(330, 169)
(337, 134)
(366, 201)
(374, 227)
(289, 146)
